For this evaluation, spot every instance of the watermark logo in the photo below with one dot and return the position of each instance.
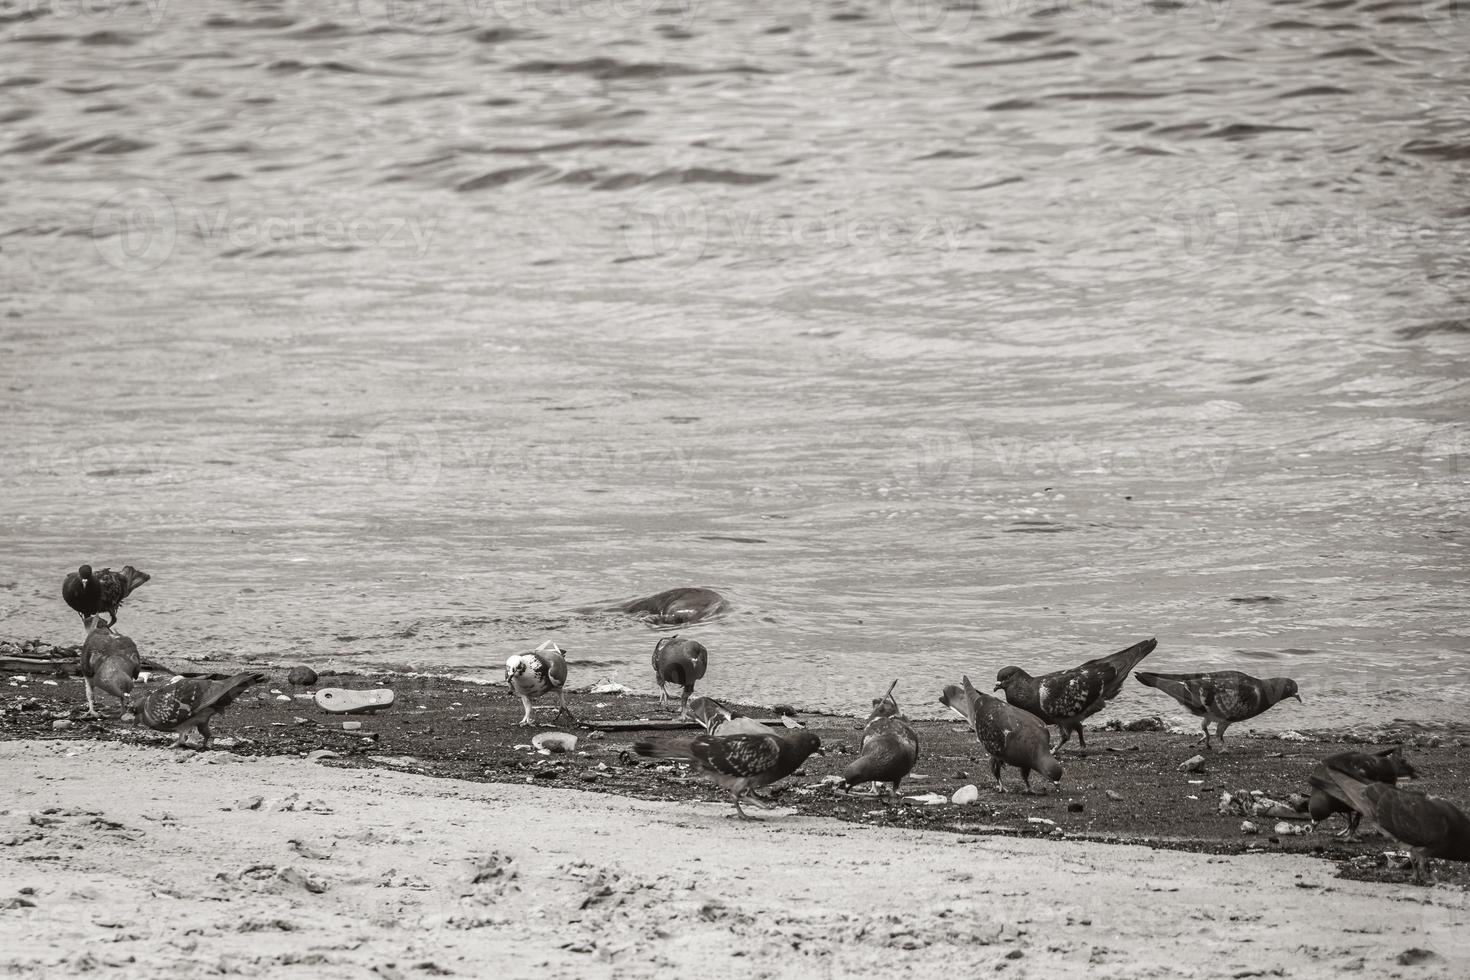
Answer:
(404, 454)
(1450, 19)
(1446, 455)
(932, 456)
(932, 20)
(135, 230)
(671, 225)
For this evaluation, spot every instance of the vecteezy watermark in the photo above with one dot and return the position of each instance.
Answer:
(935, 20)
(1206, 228)
(1445, 457)
(402, 453)
(1450, 19)
(137, 230)
(228, 230)
(407, 18)
(678, 227)
(66, 10)
(932, 456)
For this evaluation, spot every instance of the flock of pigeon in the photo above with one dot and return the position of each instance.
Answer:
(110, 661)
(742, 755)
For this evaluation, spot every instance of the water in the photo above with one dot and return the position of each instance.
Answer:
(937, 338)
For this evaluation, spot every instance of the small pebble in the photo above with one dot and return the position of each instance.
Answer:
(60, 726)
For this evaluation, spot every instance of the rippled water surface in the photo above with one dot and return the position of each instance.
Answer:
(937, 338)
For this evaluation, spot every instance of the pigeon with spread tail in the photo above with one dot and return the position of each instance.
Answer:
(90, 593)
(1224, 696)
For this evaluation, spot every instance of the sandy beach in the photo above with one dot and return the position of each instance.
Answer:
(143, 863)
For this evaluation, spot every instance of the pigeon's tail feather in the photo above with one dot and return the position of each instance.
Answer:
(132, 579)
(959, 700)
(1355, 790)
(1177, 686)
(1124, 661)
(224, 693)
(671, 748)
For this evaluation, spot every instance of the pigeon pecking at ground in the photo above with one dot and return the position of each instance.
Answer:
(189, 704)
(1012, 737)
(543, 670)
(1387, 766)
(1224, 697)
(889, 750)
(1065, 697)
(90, 593)
(679, 661)
(108, 661)
(1429, 826)
(739, 764)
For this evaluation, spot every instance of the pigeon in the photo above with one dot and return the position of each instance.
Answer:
(1224, 697)
(108, 661)
(674, 607)
(190, 703)
(889, 749)
(1065, 697)
(90, 594)
(681, 662)
(1012, 737)
(1429, 826)
(539, 672)
(709, 713)
(738, 763)
(1387, 766)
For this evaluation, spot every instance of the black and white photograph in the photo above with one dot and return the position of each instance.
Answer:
(526, 489)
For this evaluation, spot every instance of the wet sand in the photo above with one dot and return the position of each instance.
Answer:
(601, 862)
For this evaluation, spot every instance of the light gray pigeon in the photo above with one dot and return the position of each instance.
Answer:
(738, 763)
(1065, 697)
(679, 661)
(1224, 696)
(1429, 826)
(889, 750)
(1012, 737)
(108, 661)
(542, 671)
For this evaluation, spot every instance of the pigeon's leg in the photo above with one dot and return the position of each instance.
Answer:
(663, 693)
(91, 708)
(1420, 860)
(1026, 778)
(1000, 787)
(111, 618)
(562, 709)
(683, 714)
(1081, 742)
(1220, 734)
(1205, 727)
(739, 813)
(179, 741)
(204, 730)
(1065, 735)
(526, 721)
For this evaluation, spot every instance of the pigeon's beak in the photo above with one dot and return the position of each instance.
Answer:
(1298, 699)
(998, 687)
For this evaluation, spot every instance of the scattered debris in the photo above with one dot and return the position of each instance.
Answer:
(1193, 764)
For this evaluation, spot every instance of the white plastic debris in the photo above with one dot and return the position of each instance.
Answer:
(928, 799)
(1246, 827)
(549, 742)
(1285, 829)
(1194, 764)
(965, 795)
(609, 687)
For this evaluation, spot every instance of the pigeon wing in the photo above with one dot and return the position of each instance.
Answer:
(739, 756)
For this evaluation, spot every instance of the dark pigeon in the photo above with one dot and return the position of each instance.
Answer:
(738, 763)
(189, 704)
(890, 747)
(674, 607)
(682, 662)
(1429, 826)
(542, 671)
(108, 661)
(1224, 697)
(1065, 697)
(1388, 766)
(90, 593)
(1013, 737)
